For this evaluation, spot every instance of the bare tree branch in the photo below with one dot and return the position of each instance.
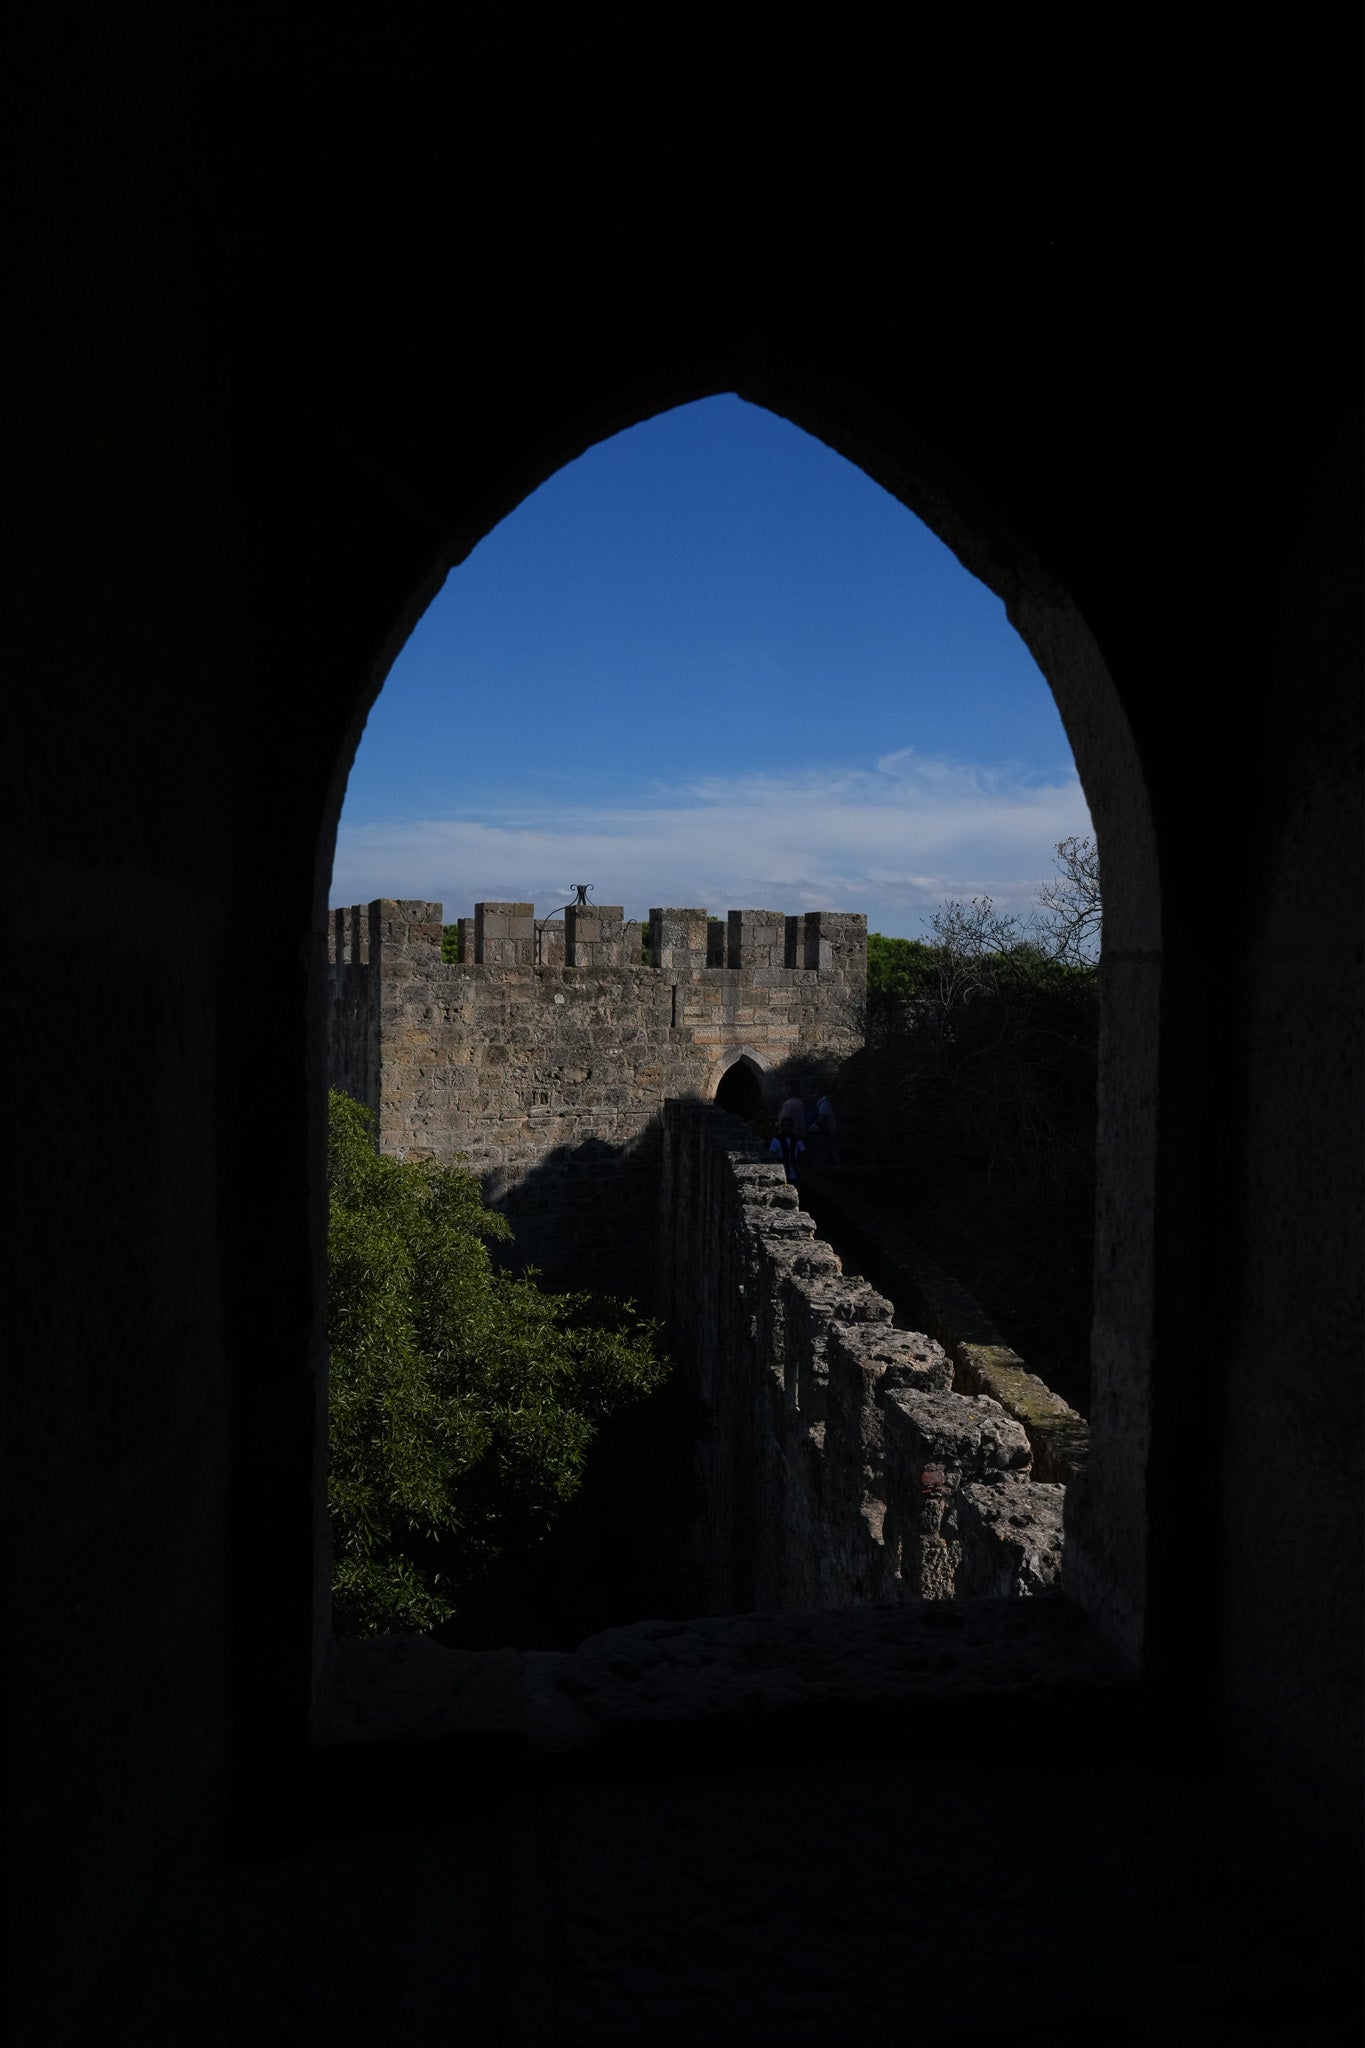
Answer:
(1072, 910)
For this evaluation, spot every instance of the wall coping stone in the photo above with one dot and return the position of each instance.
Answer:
(741, 1668)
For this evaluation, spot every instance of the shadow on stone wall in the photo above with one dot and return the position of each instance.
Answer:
(587, 1217)
(584, 1215)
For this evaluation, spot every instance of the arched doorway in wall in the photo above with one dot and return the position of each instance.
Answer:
(1062, 647)
(740, 1090)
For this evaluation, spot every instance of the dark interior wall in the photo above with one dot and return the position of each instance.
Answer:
(289, 334)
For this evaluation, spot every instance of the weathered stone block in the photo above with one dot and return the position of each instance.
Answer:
(934, 1444)
(594, 935)
(504, 934)
(969, 1435)
(1010, 1531)
(1058, 1436)
(836, 944)
(903, 1359)
(678, 939)
(755, 938)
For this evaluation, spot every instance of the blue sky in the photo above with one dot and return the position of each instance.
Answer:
(711, 663)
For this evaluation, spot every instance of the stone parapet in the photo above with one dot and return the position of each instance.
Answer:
(1011, 1532)
(594, 936)
(837, 1459)
(678, 940)
(402, 924)
(505, 934)
(756, 938)
(836, 943)
(935, 1443)
(1058, 1436)
(348, 936)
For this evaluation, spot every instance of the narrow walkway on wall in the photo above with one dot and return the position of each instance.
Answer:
(870, 1244)
(925, 1298)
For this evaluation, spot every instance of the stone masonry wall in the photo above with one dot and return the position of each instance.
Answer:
(838, 1464)
(545, 1056)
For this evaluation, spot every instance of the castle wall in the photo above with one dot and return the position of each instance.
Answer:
(841, 1462)
(549, 1079)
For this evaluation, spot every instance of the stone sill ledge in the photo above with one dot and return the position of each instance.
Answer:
(714, 1670)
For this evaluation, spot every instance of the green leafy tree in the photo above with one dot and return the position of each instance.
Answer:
(981, 1073)
(463, 1400)
(899, 970)
(982, 1043)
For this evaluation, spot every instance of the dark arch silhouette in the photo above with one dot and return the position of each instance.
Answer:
(740, 1090)
(1107, 1521)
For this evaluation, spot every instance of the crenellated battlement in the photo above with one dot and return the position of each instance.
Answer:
(544, 1054)
(689, 940)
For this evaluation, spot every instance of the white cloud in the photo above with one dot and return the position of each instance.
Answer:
(894, 841)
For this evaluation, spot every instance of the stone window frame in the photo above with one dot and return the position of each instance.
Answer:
(1105, 1568)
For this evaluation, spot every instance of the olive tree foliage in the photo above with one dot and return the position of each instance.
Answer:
(463, 1400)
(982, 1040)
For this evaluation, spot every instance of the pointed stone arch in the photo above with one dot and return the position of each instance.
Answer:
(1107, 1518)
(744, 1083)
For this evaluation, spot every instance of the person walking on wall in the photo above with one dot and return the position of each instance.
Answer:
(794, 1110)
(790, 1149)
